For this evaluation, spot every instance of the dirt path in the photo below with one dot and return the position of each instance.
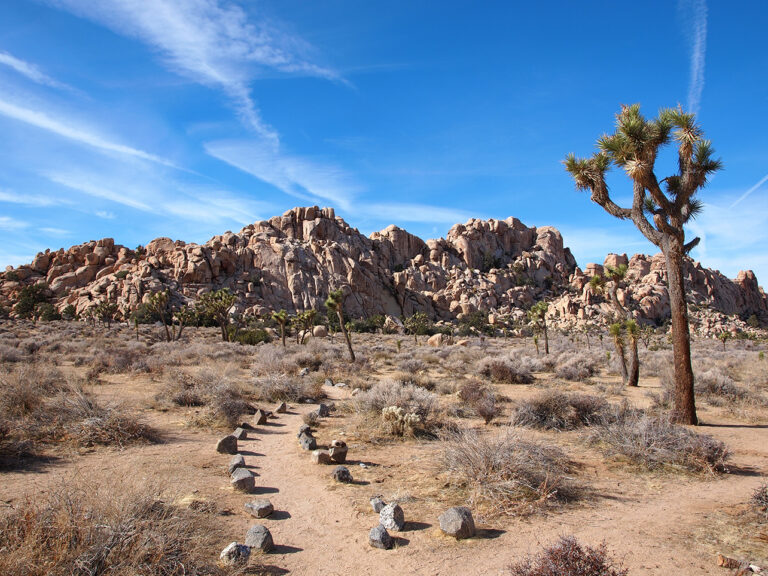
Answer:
(320, 527)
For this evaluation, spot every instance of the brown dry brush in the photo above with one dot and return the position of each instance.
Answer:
(506, 474)
(568, 557)
(80, 531)
(552, 410)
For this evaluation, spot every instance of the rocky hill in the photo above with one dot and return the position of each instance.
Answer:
(292, 261)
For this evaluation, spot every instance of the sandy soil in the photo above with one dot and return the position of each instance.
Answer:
(655, 524)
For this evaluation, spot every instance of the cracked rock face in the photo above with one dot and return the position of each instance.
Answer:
(292, 262)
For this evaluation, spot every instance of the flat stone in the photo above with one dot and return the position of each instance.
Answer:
(240, 434)
(234, 553)
(457, 522)
(307, 442)
(238, 461)
(260, 508)
(243, 480)
(392, 517)
(321, 457)
(377, 504)
(342, 474)
(227, 445)
(282, 408)
(378, 537)
(259, 537)
(328, 382)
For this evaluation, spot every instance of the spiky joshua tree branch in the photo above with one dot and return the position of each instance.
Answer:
(660, 208)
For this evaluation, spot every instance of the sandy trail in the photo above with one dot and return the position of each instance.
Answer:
(320, 527)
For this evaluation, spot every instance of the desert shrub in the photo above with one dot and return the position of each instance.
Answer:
(759, 501)
(552, 410)
(569, 558)
(307, 360)
(505, 370)
(412, 399)
(412, 366)
(506, 474)
(10, 354)
(576, 367)
(654, 443)
(251, 336)
(86, 531)
(480, 399)
(283, 388)
(718, 388)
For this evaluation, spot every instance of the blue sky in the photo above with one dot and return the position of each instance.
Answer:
(187, 118)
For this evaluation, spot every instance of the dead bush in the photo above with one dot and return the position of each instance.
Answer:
(506, 474)
(480, 399)
(283, 388)
(77, 531)
(654, 443)
(576, 367)
(505, 371)
(717, 388)
(552, 410)
(759, 502)
(412, 399)
(569, 558)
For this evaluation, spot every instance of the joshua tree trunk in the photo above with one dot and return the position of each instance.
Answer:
(621, 358)
(684, 411)
(633, 377)
(546, 336)
(346, 334)
(282, 334)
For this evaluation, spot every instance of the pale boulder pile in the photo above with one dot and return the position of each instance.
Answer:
(293, 261)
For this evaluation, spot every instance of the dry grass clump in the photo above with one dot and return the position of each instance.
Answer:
(759, 502)
(284, 388)
(552, 410)
(654, 443)
(506, 474)
(81, 531)
(480, 399)
(569, 558)
(392, 408)
(718, 388)
(575, 366)
(412, 399)
(39, 406)
(505, 370)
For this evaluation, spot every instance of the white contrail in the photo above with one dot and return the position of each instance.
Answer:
(698, 53)
(762, 181)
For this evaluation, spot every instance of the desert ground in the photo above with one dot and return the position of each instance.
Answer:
(94, 418)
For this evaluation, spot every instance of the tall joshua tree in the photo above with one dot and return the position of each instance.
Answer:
(335, 303)
(659, 213)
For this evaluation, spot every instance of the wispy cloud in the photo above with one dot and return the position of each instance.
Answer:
(10, 224)
(696, 18)
(11, 197)
(746, 194)
(30, 71)
(68, 129)
(55, 231)
(212, 42)
(297, 176)
(94, 185)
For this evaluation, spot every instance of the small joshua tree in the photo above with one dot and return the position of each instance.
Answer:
(659, 213)
(538, 317)
(335, 303)
(217, 305)
(281, 317)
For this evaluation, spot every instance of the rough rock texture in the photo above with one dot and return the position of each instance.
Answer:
(238, 461)
(338, 451)
(292, 262)
(234, 553)
(392, 517)
(377, 504)
(307, 442)
(227, 445)
(378, 537)
(259, 537)
(457, 522)
(321, 457)
(342, 474)
(243, 480)
(259, 508)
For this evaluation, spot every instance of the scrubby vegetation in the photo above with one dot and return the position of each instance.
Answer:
(568, 557)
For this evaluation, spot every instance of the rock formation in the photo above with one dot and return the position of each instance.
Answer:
(293, 261)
